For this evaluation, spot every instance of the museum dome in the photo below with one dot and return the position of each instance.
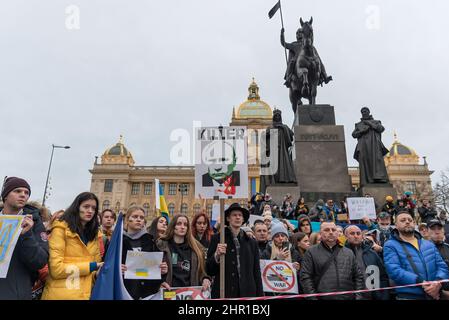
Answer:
(253, 107)
(117, 154)
(400, 153)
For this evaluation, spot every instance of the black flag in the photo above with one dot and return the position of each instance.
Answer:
(274, 9)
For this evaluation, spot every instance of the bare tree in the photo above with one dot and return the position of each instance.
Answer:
(441, 191)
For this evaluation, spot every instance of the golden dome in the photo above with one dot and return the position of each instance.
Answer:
(401, 154)
(117, 154)
(253, 107)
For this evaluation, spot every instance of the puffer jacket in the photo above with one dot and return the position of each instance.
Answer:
(70, 277)
(428, 261)
(343, 273)
(29, 255)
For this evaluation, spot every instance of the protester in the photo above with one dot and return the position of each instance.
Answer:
(261, 235)
(107, 221)
(158, 227)
(389, 206)
(426, 211)
(267, 200)
(409, 202)
(301, 243)
(288, 208)
(256, 202)
(424, 231)
(369, 263)
(136, 238)
(315, 238)
(331, 210)
(304, 224)
(31, 251)
(74, 251)
(329, 267)
(409, 259)
(201, 229)
(280, 248)
(436, 234)
(267, 219)
(301, 208)
(185, 255)
(317, 213)
(242, 266)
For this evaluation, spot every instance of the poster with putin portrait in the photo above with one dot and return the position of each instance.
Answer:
(221, 163)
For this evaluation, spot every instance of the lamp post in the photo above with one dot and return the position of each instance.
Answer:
(182, 188)
(49, 168)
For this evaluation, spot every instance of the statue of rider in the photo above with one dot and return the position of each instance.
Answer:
(294, 49)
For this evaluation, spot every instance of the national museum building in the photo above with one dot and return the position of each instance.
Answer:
(119, 183)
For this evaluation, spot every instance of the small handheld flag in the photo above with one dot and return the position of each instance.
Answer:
(273, 10)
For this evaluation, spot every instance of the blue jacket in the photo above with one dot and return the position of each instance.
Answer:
(428, 261)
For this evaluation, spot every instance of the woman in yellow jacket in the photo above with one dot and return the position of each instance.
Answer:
(74, 251)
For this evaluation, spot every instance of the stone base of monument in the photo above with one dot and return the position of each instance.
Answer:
(378, 191)
(279, 191)
(321, 164)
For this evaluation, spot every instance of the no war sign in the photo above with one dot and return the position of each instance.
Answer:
(278, 276)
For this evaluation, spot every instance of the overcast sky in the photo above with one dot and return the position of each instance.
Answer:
(144, 68)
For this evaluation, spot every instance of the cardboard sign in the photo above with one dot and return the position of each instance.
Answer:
(186, 293)
(10, 228)
(143, 265)
(221, 162)
(278, 276)
(361, 207)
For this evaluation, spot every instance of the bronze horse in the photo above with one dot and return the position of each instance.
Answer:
(307, 68)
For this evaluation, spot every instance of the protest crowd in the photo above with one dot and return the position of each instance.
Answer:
(62, 255)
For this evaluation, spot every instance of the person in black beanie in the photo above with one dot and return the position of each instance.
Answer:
(31, 251)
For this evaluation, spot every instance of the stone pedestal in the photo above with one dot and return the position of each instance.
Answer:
(321, 163)
(378, 191)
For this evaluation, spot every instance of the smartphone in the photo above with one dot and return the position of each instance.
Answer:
(285, 245)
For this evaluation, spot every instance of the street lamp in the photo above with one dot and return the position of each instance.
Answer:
(49, 167)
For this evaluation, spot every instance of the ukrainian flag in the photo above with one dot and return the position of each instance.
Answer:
(161, 205)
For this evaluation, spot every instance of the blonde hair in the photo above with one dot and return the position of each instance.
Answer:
(129, 212)
(196, 247)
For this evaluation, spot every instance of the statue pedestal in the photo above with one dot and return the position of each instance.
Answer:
(378, 191)
(321, 163)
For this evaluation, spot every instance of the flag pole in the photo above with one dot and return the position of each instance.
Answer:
(282, 24)
(222, 241)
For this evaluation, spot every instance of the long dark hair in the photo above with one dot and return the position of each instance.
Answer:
(72, 217)
(152, 230)
(208, 232)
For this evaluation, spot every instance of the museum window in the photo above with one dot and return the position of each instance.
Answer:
(171, 209)
(209, 210)
(147, 188)
(146, 207)
(196, 208)
(108, 184)
(135, 187)
(172, 189)
(184, 208)
(184, 188)
(106, 204)
(410, 186)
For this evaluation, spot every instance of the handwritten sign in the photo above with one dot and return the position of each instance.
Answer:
(10, 228)
(361, 207)
(143, 265)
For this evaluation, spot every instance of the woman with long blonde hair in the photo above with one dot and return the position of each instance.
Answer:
(186, 261)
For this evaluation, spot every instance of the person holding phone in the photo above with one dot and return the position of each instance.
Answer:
(281, 248)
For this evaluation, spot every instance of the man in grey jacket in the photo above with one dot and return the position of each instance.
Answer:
(31, 251)
(330, 267)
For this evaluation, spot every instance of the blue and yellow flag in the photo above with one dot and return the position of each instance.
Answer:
(161, 205)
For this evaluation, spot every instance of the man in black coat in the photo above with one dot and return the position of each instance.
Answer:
(426, 211)
(330, 267)
(369, 263)
(31, 251)
(242, 265)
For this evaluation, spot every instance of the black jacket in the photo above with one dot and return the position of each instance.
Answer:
(373, 264)
(250, 282)
(30, 255)
(342, 275)
(141, 288)
(427, 214)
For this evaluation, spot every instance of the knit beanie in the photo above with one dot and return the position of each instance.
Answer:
(278, 228)
(12, 183)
